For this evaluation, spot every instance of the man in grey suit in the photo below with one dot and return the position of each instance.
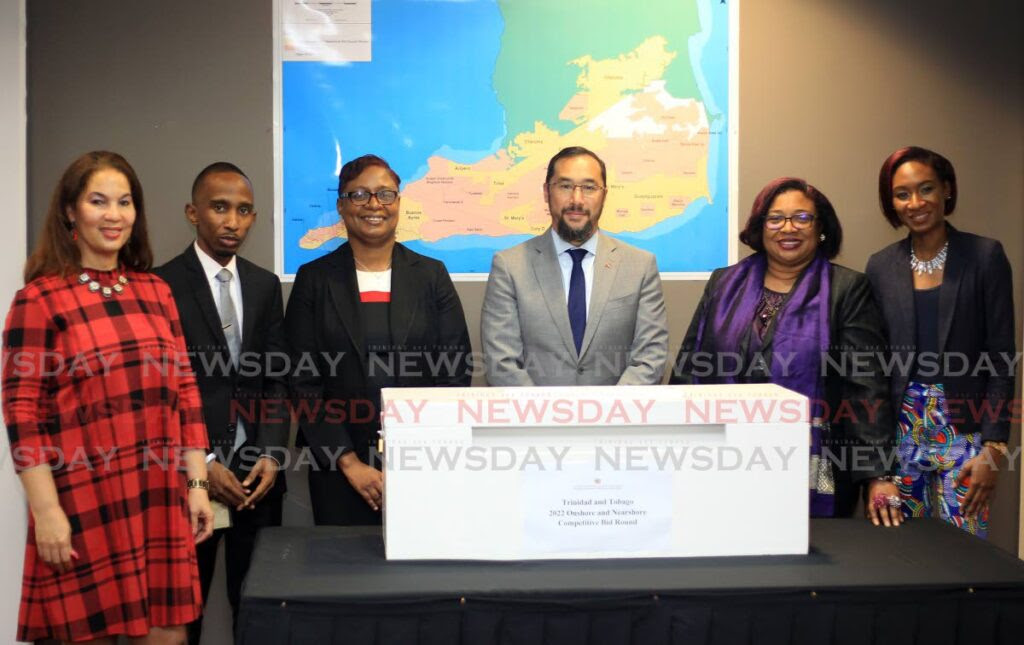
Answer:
(573, 306)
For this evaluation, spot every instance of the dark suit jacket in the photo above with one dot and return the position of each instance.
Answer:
(856, 394)
(976, 327)
(428, 330)
(258, 389)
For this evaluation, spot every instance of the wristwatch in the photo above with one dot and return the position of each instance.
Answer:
(198, 483)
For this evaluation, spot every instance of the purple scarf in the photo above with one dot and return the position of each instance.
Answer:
(800, 336)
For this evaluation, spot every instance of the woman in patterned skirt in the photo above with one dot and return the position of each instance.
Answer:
(948, 300)
(105, 423)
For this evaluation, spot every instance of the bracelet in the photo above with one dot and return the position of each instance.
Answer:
(198, 483)
(892, 479)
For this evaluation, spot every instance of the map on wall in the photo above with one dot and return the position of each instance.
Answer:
(468, 100)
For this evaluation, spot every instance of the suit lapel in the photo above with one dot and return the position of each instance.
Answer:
(548, 274)
(204, 296)
(951, 278)
(248, 302)
(902, 286)
(344, 291)
(404, 289)
(606, 267)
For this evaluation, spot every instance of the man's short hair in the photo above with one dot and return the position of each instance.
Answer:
(216, 167)
(574, 151)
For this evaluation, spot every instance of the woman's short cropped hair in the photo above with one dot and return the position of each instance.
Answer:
(942, 167)
(355, 167)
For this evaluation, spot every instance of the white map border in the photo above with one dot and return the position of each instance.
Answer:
(733, 224)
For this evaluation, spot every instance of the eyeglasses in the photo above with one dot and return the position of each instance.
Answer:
(799, 220)
(567, 188)
(360, 197)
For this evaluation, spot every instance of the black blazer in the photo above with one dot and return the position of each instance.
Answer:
(258, 389)
(428, 330)
(975, 323)
(856, 391)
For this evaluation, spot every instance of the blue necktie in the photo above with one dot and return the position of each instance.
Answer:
(577, 297)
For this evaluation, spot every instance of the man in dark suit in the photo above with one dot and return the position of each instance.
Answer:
(232, 314)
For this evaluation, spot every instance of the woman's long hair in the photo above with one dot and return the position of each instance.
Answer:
(56, 252)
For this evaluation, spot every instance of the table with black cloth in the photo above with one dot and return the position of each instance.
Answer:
(924, 582)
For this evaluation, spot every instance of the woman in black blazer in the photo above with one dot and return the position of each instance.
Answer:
(369, 315)
(789, 316)
(948, 300)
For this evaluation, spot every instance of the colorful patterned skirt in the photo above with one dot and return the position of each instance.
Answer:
(931, 453)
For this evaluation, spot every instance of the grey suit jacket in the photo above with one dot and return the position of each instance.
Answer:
(525, 328)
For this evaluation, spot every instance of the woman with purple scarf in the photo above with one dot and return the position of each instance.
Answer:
(776, 317)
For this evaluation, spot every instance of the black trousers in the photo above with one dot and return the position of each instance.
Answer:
(239, 540)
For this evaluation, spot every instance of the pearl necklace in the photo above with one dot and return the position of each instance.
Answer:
(937, 263)
(107, 292)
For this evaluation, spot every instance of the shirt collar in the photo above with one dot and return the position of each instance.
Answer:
(211, 267)
(561, 246)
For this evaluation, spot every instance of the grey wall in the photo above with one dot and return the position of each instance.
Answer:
(171, 85)
(827, 89)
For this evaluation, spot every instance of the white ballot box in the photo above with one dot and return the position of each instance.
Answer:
(594, 472)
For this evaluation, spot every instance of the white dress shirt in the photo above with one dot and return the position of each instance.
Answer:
(565, 263)
(211, 268)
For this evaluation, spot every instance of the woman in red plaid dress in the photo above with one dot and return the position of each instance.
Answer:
(103, 416)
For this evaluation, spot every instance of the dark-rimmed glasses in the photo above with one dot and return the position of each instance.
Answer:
(774, 221)
(360, 197)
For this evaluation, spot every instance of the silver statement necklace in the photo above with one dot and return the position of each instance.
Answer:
(107, 292)
(937, 263)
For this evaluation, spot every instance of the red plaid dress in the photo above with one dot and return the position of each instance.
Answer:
(101, 389)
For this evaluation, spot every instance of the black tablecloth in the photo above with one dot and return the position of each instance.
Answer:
(924, 582)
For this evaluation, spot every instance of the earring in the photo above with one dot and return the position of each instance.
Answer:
(821, 237)
(74, 232)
